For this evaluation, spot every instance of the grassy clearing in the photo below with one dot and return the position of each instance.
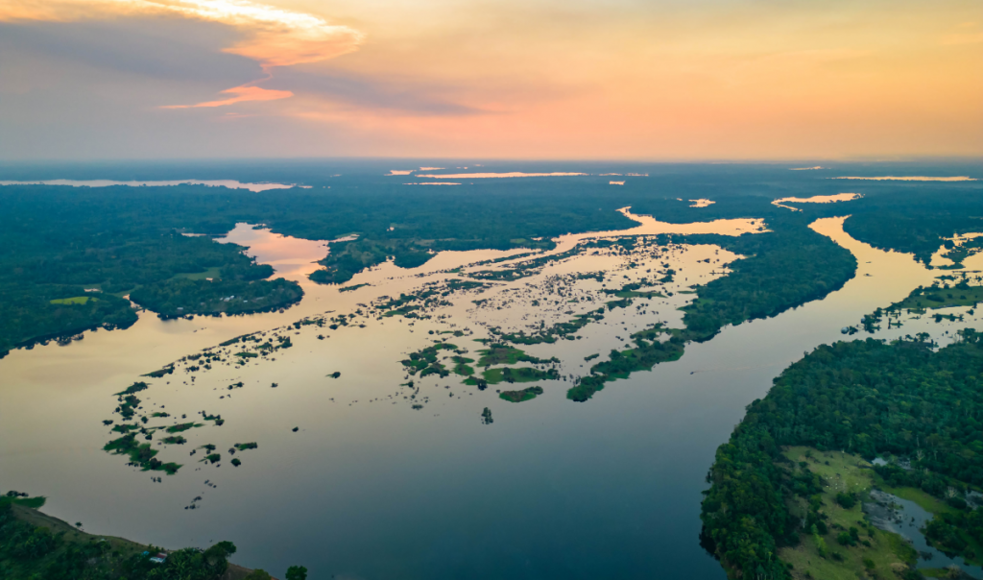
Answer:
(886, 552)
(73, 300)
(213, 273)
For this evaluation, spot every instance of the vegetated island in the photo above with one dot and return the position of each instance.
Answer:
(526, 394)
(34, 545)
(786, 490)
(783, 269)
(177, 298)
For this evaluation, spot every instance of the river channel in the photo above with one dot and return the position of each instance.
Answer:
(367, 487)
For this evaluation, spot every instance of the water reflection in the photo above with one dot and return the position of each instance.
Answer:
(229, 183)
(907, 519)
(291, 258)
(552, 489)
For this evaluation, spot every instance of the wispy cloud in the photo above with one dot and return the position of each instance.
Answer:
(242, 94)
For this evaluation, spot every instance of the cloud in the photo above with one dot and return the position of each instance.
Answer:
(174, 50)
(242, 94)
(271, 36)
(349, 91)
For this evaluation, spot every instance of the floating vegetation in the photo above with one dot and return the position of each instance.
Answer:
(461, 366)
(527, 394)
(425, 362)
(486, 417)
(515, 375)
(217, 419)
(499, 354)
(128, 405)
(134, 388)
(353, 287)
(560, 330)
(244, 446)
(141, 455)
(161, 372)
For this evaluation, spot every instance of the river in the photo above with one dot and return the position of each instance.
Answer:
(369, 488)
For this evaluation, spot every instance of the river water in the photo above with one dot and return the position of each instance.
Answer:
(368, 487)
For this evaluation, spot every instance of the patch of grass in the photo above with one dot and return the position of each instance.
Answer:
(73, 300)
(182, 427)
(214, 273)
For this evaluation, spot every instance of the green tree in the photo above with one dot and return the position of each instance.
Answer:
(296, 573)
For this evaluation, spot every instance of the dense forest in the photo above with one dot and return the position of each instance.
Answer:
(113, 240)
(180, 297)
(864, 397)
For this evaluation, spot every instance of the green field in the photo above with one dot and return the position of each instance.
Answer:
(214, 273)
(72, 300)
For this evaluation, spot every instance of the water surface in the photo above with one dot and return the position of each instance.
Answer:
(370, 488)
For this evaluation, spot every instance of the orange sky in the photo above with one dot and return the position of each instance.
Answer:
(626, 79)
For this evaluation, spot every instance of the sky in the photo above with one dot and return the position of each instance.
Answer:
(517, 79)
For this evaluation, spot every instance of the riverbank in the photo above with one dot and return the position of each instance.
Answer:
(36, 545)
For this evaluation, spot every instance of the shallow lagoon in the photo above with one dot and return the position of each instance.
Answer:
(369, 487)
